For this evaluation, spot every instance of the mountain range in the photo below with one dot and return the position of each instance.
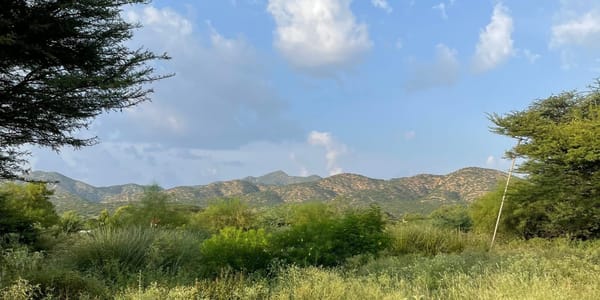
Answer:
(420, 193)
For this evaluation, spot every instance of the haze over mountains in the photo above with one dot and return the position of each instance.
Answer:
(420, 193)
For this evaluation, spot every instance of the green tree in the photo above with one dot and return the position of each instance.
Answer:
(154, 210)
(64, 63)
(24, 208)
(452, 216)
(223, 213)
(560, 152)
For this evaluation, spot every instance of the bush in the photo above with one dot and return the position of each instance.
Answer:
(67, 284)
(237, 249)
(175, 253)
(329, 240)
(109, 250)
(118, 254)
(70, 222)
(20, 289)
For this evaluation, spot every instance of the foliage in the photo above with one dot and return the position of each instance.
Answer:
(70, 222)
(20, 289)
(327, 240)
(422, 261)
(112, 252)
(60, 283)
(154, 210)
(117, 254)
(23, 209)
(64, 63)
(236, 249)
(452, 217)
(561, 157)
(225, 213)
(484, 210)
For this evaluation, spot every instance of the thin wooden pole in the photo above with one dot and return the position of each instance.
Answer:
(510, 171)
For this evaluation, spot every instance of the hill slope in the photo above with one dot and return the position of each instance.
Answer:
(420, 193)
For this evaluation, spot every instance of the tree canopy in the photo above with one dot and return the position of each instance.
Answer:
(560, 152)
(23, 209)
(63, 63)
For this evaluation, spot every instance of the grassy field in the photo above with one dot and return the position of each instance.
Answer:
(419, 262)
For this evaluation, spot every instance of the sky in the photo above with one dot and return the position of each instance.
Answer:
(382, 88)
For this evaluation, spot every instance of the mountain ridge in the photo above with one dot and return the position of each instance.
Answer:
(419, 193)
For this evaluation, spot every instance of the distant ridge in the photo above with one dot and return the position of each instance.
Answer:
(420, 193)
(280, 178)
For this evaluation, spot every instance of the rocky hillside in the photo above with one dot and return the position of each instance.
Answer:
(280, 178)
(420, 193)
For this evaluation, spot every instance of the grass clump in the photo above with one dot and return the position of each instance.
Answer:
(427, 239)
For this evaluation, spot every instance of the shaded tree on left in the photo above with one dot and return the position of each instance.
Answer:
(63, 63)
(24, 209)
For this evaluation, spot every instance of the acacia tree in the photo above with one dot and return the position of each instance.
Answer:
(64, 62)
(560, 149)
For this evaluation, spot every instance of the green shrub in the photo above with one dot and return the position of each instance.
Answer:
(329, 240)
(70, 222)
(59, 283)
(108, 250)
(236, 249)
(20, 289)
(175, 253)
(118, 254)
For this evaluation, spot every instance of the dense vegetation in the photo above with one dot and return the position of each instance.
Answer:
(156, 249)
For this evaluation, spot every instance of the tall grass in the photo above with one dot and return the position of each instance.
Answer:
(427, 239)
(118, 254)
(528, 274)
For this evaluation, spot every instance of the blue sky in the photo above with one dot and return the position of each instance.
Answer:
(381, 88)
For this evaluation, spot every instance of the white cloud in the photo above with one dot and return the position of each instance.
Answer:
(318, 36)
(581, 30)
(531, 57)
(442, 8)
(490, 161)
(383, 4)
(495, 44)
(575, 33)
(443, 71)
(333, 149)
(164, 21)
(220, 98)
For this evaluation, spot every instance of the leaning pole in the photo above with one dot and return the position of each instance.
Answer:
(510, 171)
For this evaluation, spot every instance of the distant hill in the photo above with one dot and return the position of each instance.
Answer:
(280, 178)
(420, 193)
